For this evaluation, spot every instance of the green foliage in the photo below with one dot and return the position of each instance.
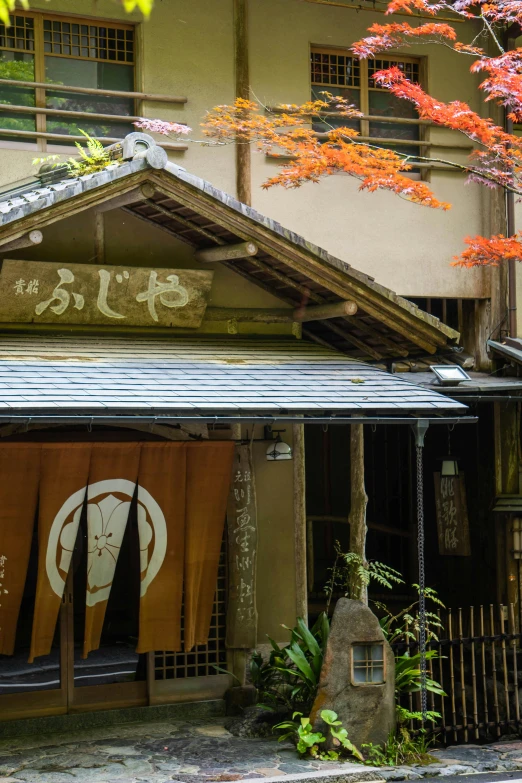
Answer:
(402, 747)
(307, 740)
(404, 626)
(290, 677)
(6, 6)
(351, 575)
(408, 674)
(94, 158)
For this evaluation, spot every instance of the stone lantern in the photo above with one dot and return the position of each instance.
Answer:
(358, 676)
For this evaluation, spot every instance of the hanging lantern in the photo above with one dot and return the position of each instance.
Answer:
(278, 450)
(450, 467)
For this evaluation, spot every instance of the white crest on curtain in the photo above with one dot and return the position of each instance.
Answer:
(107, 515)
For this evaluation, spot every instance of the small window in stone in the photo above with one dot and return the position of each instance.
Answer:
(368, 664)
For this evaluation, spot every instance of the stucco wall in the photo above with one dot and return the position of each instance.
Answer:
(276, 596)
(187, 48)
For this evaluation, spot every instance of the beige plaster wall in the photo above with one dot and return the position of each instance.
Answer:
(276, 597)
(187, 48)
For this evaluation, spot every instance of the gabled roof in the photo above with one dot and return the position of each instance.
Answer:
(57, 375)
(386, 326)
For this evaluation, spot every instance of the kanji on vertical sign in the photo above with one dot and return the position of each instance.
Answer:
(452, 515)
(242, 553)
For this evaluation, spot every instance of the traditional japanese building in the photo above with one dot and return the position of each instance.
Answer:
(151, 378)
(152, 325)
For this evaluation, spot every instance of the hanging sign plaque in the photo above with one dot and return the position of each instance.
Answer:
(242, 553)
(452, 515)
(40, 292)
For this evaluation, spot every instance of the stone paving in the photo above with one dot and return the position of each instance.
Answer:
(190, 752)
(204, 751)
(462, 760)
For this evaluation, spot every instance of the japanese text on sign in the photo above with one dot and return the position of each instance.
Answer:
(242, 533)
(83, 293)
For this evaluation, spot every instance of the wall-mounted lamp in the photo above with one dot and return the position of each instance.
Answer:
(277, 449)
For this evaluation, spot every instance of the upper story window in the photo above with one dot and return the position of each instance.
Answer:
(341, 73)
(66, 52)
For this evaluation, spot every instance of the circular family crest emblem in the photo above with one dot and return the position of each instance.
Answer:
(108, 504)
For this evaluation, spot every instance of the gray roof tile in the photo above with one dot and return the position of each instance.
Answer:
(118, 374)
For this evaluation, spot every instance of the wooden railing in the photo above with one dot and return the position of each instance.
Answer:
(43, 111)
(424, 145)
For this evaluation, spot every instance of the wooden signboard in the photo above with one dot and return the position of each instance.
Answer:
(452, 515)
(40, 292)
(242, 553)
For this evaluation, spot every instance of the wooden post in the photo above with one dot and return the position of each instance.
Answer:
(507, 449)
(301, 586)
(99, 237)
(243, 161)
(358, 503)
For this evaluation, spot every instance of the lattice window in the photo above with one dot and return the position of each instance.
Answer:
(88, 41)
(202, 660)
(332, 68)
(338, 72)
(410, 68)
(368, 664)
(71, 53)
(18, 37)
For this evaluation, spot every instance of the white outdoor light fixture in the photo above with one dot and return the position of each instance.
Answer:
(449, 374)
(278, 450)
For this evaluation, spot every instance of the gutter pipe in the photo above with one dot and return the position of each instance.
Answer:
(152, 420)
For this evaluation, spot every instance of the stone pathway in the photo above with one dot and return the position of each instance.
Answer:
(191, 752)
(462, 760)
(203, 752)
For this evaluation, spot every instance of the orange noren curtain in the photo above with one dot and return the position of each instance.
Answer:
(63, 486)
(112, 482)
(209, 467)
(161, 526)
(19, 478)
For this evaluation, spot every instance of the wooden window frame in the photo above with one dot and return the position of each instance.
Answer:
(39, 61)
(369, 667)
(365, 89)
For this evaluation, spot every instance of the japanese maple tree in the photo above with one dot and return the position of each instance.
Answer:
(496, 160)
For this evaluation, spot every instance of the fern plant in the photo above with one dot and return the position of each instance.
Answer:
(92, 159)
(351, 575)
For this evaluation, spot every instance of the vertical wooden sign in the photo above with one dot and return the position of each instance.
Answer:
(452, 515)
(242, 553)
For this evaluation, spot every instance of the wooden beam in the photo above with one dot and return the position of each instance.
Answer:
(323, 312)
(65, 138)
(227, 252)
(148, 191)
(120, 201)
(350, 338)
(28, 240)
(242, 76)
(263, 315)
(161, 226)
(137, 96)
